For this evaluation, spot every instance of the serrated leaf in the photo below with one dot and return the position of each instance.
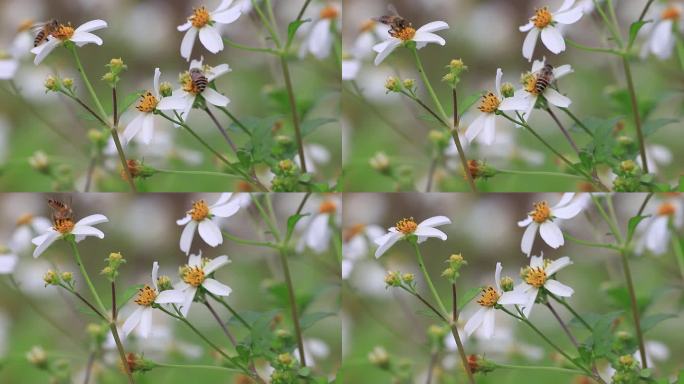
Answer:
(310, 126)
(293, 27)
(309, 319)
(651, 126)
(650, 321)
(632, 225)
(292, 222)
(634, 30)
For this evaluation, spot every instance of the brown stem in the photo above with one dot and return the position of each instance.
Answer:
(563, 130)
(293, 109)
(457, 141)
(86, 302)
(293, 307)
(457, 337)
(221, 324)
(224, 133)
(431, 367)
(635, 111)
(431, 173)
(119, 147)
(89, 367)
(562, 324)
(114, 301)
(635, 308)
(432, 308)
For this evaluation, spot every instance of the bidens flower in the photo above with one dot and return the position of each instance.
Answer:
(485, 123)
(491, 297)
(196, 274)
(533, 87)
(202, 21)
(544, 22)
(317, 228)
(8, 66)
(203, 217)
(408, 227)
(63, 33)
(655, 230)
(27, 227)
(544, 218)
(147, 296)
(540, 275)
(144, 119)
(421, 36)
(356, 246)
(320, 37)
(661, 41)
(63, 227)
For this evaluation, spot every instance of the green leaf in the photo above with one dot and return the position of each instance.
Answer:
(468, 102)
(309, 319)
(680, 50)
(633, 223)
(293, 27)
(651, 126)
(650, 321)
(467, 297)
(602, 338)
(310, 126)
(292, 222)
(262, 139)
(128, 100)
(634, 30)
(128, 294)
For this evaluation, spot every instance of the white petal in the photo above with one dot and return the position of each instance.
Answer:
(558, 288)
(511, 298)
(515, 103)
(662, 39)
(170, 296)
(318, 233)
(527, 27)
(216, 263)
(497, 276)
(551, 234)
(568, 211)
(553, 39)
(565, 199)
(388, 47)
(155, 274)
(8, 68)
(145, 322)
(147, 129)
(184, 220)
(320, 39)
(537, 261)
(92, 25)
(223, 198)
(211, 39)
(475, 128)
(216, 288)
(531, 298)
(474, 322)
(176, 102)
(195, 260)
(226, 210)
(566, 5)
(189, 297)
(42, 51)
(435, 221)
(86, 230)
(386, 242)
(568, 17)
(433, 27)
(187, 236)
(132, 321)
(227, 16)
(556, 98)
(529, 43)
(430, 232)
(215, 98)
(488, 323)
(224, 5)
(218, 71)
(7, 263)
(528, 238)
(184, 27)
(497, 83)
(47, 240)
(557, 265)
(561, 71)
(489, 131)
(92, 220)
(133, 128)
(426, 37)
(187, 43)
(157, 75)
(83, 38)
(210, 233)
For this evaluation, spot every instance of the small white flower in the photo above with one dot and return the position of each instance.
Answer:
(203, 217)
(371, 33)
(195, 274)
(145, 117)
(656, 156)
(316, 155)
(147, 296)
(188, 92)
(8, 66)
(408, 227)
(356, 245)
(529, 95)
(65, 227)
(80, 36)
(202, 21)
(8, 261)
(661, 41)
(540, 275)
(544, 22)
(491, 297)
(485, 123)
(314, 349)
(23, 40)
(655, 231)
(320, 37)
(545, 219)
(422, 36)
(316, 229)
(27, 227)
(350, 69)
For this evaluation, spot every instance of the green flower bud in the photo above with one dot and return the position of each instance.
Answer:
(37, 357)
(164, 283)
(52, 84)
(392, 84)
(507, 90)
(380, 162)
(379, 357)
(507, 284)
(51, 278)
(67, 277)
(165, 89)
(393, 279)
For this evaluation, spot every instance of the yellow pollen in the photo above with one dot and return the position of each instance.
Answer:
(541, 212)
(148, 102)
(189, 85)
(193, 276)
(405, 34)
(367, 26)
(64, 32)
(406, 226)
(146, 296)
(490, 103)
(542, 17)
(63, 226)
(671, 13)
(200, 17)
(199, 211)
(354, 231)
(24, 219)
(329, 12)
(536, 277)
(529, 82)
(489, 297)
(666, 209)
(327, 206)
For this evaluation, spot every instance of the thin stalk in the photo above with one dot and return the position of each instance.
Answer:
(431, 367)
(89, 173)
(541, 368)
(430, 306)
(235, 120)
(612, 225)
(299, 17)
(87, 303)
(267, 24)
(252, 49)
(293, 306)
(224, 133)
(197, 173)
(117, 143)
(613, 18)
(114, 314)
(267, 219)
(230, 309)
(89, 86)
(574, 313)
(240, 240)
(89, 367)
(457, 337)
(539, 173)
(635, 111)
(195, 366)
(122, 352)
(288, 236)
(577, 45)
(459, 147)
(427, 109)
(428, 85)
(645, 10)
(431, 173)
(271, 15)
(562, 324)
(677, 248)
(577, 121)
(613, 215)
(612, 28)
(87, 108)
(591, 244)
(86, 277)
(421, 264)
(564, 131)
(293, 110)
(635, 308)
(221, 324)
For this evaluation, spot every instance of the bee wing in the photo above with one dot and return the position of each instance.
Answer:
(392, 9)
(37, 27)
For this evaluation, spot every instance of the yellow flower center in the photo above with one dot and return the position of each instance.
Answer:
(541, 212)
(405, 34)
(329, 12)
(536, 277)
(529, 82)
(489, 297)
(367, 26)
(146, 296)
(406, 226)
(490, 103)
(193, 276)
(666, 209)
(671, 13)
(189, 85)
(542, 17)
(200, 17)
(64, 32)
(63, 226)
(199, 211)
(148, 102)
(327, 206)
(24, 219)
(354, 231)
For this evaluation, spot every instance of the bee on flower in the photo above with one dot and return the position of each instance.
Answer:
(317, 229)
(196, 275)
(545, 219)
(204, 218)
(654, 231)
(320, 35)
(537, 83)
(668, 21)
(540, 275)
(203, 22)
(65, 33)
(406, 228)
(405, 33)
(545, 23)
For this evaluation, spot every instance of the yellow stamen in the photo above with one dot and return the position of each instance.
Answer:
(200, 17)
(193, 276)
(536, 277)
(64, 32)
(667, 209)
(406, 226)
(148, 102)
(329, 12)
(405, 34)
(327, 206)
(671, 13)
(541, 212)
(24, 219)
(529, 82)
(199, 211)
(542, 17)
(489, 297)
(189, 85)
(146, 296)
(63, 226)
(490, 103)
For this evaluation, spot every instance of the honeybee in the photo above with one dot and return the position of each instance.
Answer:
(199, 80)
(44, 30)
(395, 22)
(61, 211)
(544, 78)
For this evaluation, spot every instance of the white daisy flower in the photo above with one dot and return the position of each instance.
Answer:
(356, 245)
(8, 66)
(662, 38)
(320, 36)
(203, 22)
(64, 227)
(655, 231)
(529, 95)
(491, 297)
(204, 218)
(544, 22)
(147, 296)
(316, 229)
(539, 275)
(545, 219)
(189, 91)
(27, 227)
(371, 33)
(408, 227)
(195, 274)
(8, 261)
(145, 117)
(422, 36)
(80, 36)
(485, 123)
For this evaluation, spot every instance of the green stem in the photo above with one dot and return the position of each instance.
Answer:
(574, 313)
(293, 110)
(122, 352)
(197, 173)
(635, 307)
(86, 277)
(267, 219)
(230, 309)
(457, 337)
(117, 142)
(195, 366)
(591, 244)
(539, 173)
(267, 24)
(613, 215)
(541, 368)
(613, 226)
(93, 95)
(459, 147)
(677, 248)
(428, 86)
(428, 280)
(271, 16)
(572, 43)
(609, 24)
(577, 121)
(248, 48)
(636, 113)
(240, 240)
(235, 120)
(293, 306)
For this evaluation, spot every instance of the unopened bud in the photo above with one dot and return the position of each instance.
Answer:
(51, 278)
(67, 277)
(286, 359)
(392, 84)
(164, 283)
(380, 162)
(409, 83)
(37, 357)
(408, 278)
(507, 284)
(68, 82)
(379, 357)
(286, 165)
(52, 84)
(165, 89)
(478, 364)
(138, 364)
(109, 77)
(628, 166)
(393, 279)
(457, 65)
(507, 90)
